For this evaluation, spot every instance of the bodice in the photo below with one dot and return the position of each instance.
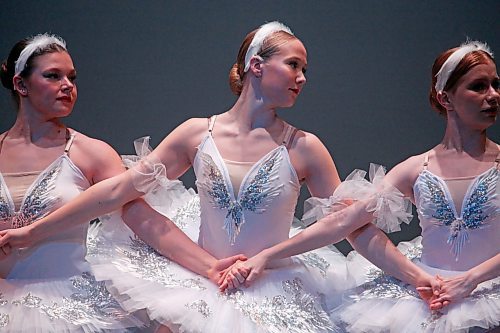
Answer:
(258, 216)
(455, 239)
(61, 255)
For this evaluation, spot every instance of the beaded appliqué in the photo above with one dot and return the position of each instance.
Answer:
(314, 260)
(473, 213)
(36, 204)
(201, 306)
(255, 197)
(295, 311)
(4, 318)
(90, 301)
(152, 266)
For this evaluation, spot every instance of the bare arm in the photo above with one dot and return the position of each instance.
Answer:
(165, 237)
(107, 195)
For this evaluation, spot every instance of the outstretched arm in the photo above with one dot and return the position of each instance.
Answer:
(110, 194)
(166, 238)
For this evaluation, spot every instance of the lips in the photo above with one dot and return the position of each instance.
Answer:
(491, 110)
(67, 99)
(295, 90)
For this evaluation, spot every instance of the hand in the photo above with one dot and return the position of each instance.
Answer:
(5, 251)
(254, 267)
(429, 289)
(15, 238)
(221, 266)
(456, 288)
(232, 277)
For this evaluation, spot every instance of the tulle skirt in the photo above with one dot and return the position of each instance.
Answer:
(384, 304)
(295, 297)
(75, 304)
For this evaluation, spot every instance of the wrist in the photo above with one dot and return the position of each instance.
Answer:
(473, 277)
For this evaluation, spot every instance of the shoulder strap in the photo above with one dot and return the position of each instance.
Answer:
(69, 141)
(497, 160)
(290, 132)
(426, 160)
(211, 123)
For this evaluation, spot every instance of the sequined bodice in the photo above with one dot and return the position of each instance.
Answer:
(63, 253)
(458, 240)
(258, 216)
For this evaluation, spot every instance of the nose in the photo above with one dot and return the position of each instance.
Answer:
(67, 85)
(493, 96)
(301, 78)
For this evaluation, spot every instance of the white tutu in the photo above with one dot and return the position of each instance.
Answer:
(294, 298)
(385, 304)
(78, 304)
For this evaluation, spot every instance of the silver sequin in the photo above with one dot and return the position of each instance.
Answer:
(294, 311)
(473, 215)
(201, 306)
(90, 302)
(187, 213)
(152, 266)
(255, 197)
(4, 320)
(314, 260)
(38, 203)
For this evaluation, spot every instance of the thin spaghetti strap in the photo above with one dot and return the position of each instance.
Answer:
(426, 160)
(497, 160)
(69, 141)
(211, 123)
(3, 139)
(289, 135)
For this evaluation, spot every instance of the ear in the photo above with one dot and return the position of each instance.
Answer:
(19, 85)
(256, 65)
(444, 99)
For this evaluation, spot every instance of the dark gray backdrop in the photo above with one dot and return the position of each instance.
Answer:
(146, 66)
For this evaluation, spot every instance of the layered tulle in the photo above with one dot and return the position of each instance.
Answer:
(389, 206)
(296, 297)
(384, 304)
(78, 304)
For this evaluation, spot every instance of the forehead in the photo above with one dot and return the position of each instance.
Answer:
(487, 70)
(60, 60)
(293, 48)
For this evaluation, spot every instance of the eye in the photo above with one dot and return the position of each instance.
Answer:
(496, 84)
(304, 70)
(293, 64)
(51, 75)
(478, 86)
(72, 78)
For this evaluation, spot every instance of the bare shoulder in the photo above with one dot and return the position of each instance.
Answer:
(188, 131)
(404, 174)
(308, 143)
(96, 158)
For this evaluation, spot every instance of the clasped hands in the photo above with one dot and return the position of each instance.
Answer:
(437, 291)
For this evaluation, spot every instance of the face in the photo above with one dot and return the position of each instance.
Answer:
(51, 88)
(476, 97)
(283, 74)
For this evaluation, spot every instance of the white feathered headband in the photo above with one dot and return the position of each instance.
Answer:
(36, 43)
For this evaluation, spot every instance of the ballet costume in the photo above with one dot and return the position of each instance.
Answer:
(460, 221)
(49, 287)
(241, 208)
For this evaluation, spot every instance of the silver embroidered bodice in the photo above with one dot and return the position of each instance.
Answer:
(458, 240)
(62, 255)
(258, 216)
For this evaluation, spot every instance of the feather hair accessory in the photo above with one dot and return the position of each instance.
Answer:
(36, 43)
(258, 39)
(454, 59)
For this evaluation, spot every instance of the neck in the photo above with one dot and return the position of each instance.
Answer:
(464, 139)
(250, 111)
(31, 127)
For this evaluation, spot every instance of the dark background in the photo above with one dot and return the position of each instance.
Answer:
(146, 66)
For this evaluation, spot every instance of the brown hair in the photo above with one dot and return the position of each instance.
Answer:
(7, 69)
(269, 47)
(469, 61)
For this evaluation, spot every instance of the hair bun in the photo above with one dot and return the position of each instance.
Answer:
(235, 81)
